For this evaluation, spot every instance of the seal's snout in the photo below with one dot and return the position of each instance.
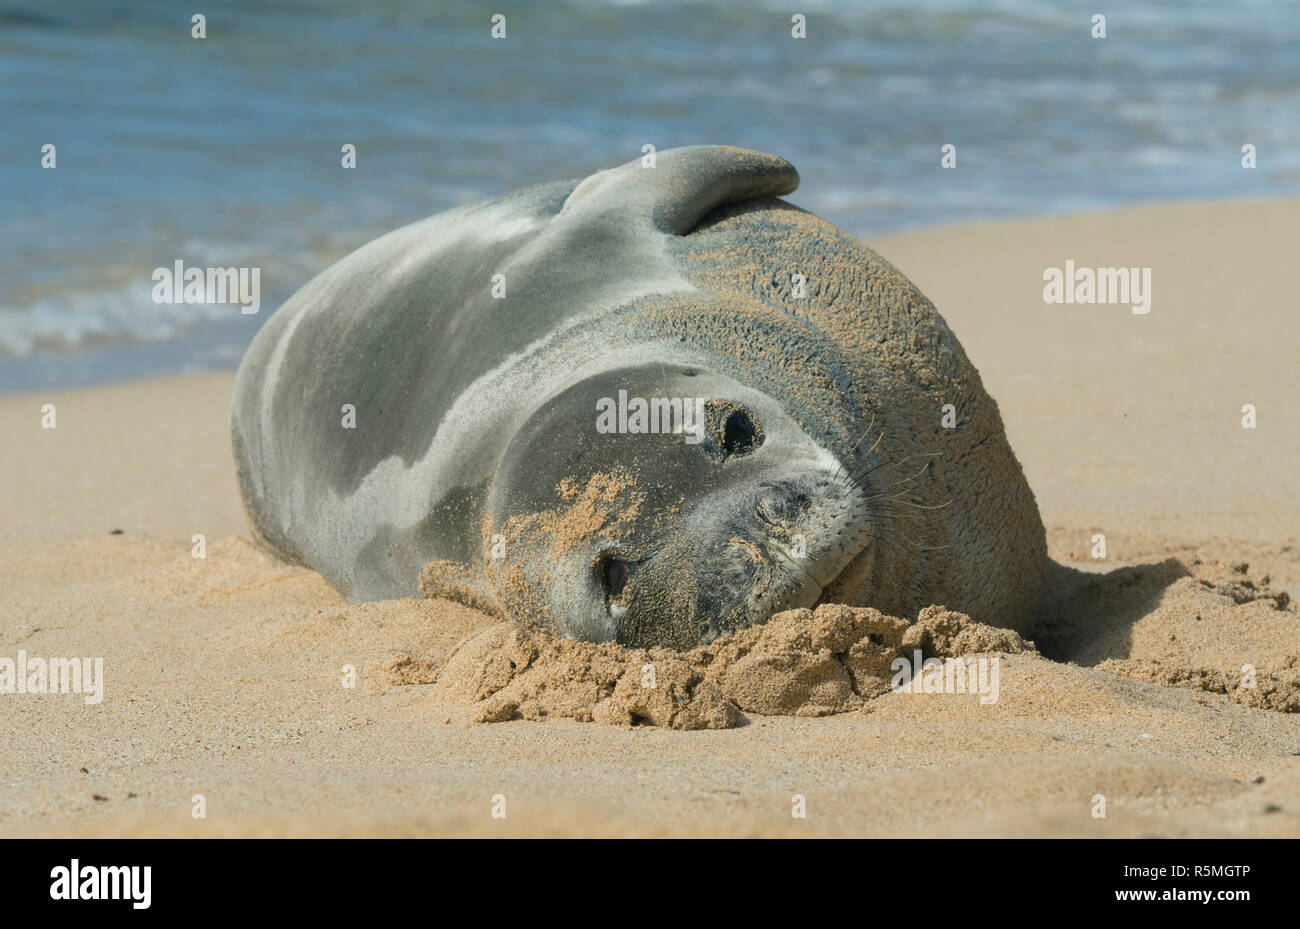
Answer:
(777, 548)
(780, 507)
(738, 559)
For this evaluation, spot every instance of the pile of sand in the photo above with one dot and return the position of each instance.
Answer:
(1184, 622)
(1204, 625)
(1273, 687)
(800, 663)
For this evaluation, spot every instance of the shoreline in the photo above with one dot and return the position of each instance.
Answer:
(215, 340)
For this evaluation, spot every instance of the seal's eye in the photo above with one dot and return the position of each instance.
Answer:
(738, 434)
(614, 575)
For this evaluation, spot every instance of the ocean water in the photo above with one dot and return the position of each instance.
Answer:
(226, 150)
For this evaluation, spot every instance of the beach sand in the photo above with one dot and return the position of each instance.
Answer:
(224, 675)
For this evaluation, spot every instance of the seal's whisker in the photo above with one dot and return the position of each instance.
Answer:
(854, 448)
(876, 443)
(908, 480)
(888, 464)
(898, 516)
(926, 506)
(886, 495)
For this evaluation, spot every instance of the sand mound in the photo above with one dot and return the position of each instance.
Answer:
(1184, 622)
(800, 663)
(504, 673)
(1205, 625)
(1274, 687)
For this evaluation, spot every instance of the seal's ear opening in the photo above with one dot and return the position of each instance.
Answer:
(685, 185)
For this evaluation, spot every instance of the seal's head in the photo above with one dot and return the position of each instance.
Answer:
(721, 511)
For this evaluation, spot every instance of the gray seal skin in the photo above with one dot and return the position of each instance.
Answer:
(823, 471)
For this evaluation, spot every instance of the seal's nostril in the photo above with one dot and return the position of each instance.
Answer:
(782, 506)
(770, 511)
(614, 574)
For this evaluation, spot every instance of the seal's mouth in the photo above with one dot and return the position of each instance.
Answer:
(849, 580)
(837, 531)
(815, 584)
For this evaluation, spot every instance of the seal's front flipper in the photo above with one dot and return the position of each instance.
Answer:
(683, 187)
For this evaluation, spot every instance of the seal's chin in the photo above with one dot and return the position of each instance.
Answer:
(830, 582)
(845, 586)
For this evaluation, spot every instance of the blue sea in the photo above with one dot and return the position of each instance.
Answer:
(225, 151)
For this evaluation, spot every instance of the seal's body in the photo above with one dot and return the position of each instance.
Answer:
(649, 407)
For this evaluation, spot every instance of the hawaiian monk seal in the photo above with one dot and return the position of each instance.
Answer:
(652, 406)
